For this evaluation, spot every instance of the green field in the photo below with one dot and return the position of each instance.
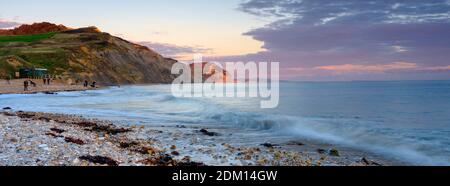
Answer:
(26, 38)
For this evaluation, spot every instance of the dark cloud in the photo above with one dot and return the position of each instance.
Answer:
(170, 50)
(313, 33)
(332, 11)
(4, 24)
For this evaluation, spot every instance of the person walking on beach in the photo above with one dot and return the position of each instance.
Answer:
(8, 79)
(45, 80)
(86, 83)
(25, 85)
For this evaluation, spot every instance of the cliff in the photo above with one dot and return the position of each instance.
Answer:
(78, 54)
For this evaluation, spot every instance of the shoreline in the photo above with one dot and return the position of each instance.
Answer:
(32, 138)
(16, 87)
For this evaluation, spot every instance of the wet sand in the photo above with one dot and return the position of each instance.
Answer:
(16, 87)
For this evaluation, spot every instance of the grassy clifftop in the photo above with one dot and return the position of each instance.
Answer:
(26, 38)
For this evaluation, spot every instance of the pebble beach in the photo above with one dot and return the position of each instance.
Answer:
(44, 139)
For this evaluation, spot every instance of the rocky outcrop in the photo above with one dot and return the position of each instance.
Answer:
(36, 28)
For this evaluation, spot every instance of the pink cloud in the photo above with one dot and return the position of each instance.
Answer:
(5, 24)
(438, 68)
(358, 71)
(376, 68)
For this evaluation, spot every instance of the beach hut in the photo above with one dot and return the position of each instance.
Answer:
(32, 72)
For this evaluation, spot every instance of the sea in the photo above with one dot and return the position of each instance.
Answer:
(408, 121)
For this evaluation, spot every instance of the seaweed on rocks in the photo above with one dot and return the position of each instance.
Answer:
(167, 160)
(125, 144)
(59, 131)
(108, 129)
(74, 140)
(25, 115)
(190, 164)
(160, 160)
(146, 150)
(100, 160)
(85, 124)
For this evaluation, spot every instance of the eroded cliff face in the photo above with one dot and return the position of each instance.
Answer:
(111, 60)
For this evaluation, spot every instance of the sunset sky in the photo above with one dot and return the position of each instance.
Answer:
(314, 40)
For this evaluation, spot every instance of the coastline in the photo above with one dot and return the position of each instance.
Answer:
(34, 139)
(54, 139)
(16, 87)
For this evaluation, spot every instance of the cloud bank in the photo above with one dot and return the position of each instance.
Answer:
(5, 24)
(353, 37)
(173, 51)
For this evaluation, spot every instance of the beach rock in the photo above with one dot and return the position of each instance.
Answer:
(165, 159)
(321, 151)
(76, 161)
(175, 153)
(269, 145)
(7, 108)
(334, 152)
(208, 133)
(100, 160)
(14, 140)
(295, 143)
(51, 93)
(369, 162)
(247, 157)
(44, 147)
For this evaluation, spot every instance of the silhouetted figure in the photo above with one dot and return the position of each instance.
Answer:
(32, 83)
(86, 83)
(25, 85)
(8, 79)
(93, 84)
(45, 80)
